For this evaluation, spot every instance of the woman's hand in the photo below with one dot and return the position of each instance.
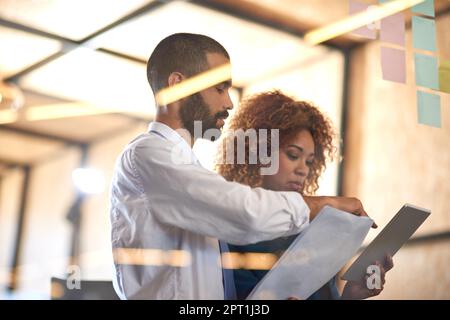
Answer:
(358, 290)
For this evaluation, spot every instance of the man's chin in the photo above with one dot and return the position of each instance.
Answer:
(220, 123)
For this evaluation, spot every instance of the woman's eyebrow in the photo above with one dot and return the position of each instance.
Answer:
(301, 149)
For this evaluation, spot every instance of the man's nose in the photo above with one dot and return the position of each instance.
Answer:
(228, 102)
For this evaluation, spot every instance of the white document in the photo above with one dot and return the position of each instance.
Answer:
(315, 256)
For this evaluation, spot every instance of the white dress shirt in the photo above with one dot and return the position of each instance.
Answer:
(159, 205)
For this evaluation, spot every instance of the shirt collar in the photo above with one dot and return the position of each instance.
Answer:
(166, 131)
(173, 136)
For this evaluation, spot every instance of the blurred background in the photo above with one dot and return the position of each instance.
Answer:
(74, 92)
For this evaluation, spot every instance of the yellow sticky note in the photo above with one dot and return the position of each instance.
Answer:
(444, 76)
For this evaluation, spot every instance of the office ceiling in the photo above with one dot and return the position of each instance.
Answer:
(80, 65)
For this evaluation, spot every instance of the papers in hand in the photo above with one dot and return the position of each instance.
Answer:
(315, 256)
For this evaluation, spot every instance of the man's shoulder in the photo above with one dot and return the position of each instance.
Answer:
(145, 140)
(148, 147)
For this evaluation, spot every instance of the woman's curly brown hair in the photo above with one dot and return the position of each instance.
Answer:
(274, 110)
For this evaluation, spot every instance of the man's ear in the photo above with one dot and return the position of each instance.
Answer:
(175, 78)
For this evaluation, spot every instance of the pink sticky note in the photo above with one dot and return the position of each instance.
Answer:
(392, 29)
(356, 7)
(393, 64)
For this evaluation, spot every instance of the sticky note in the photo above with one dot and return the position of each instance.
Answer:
(393, 64)
(368, 32)
(444, 76)
(426, 71)
(425, 8)
(392, 29)
(424, 33)
(429, 109)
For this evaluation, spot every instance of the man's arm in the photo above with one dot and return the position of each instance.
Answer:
(196, 199)
(351, 205)
(193, 198)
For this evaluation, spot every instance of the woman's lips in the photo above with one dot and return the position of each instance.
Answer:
(295, 186)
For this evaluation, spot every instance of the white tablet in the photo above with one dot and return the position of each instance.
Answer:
(389, 240)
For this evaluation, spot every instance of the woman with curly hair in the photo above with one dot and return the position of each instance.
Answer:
(305, 144)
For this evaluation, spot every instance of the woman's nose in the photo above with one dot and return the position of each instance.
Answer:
(302, 169)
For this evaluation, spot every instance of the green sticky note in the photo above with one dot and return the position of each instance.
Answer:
(425, 8)
(429, 109)
(424, 33)
(426, 71)
(444, 76)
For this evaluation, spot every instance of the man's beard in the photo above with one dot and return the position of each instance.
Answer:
(194, 108)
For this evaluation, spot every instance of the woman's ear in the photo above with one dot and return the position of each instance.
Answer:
(175, 78)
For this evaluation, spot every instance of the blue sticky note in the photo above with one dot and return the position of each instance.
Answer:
(424, 33)
(426, 71)
(425, 8)
(429, 109)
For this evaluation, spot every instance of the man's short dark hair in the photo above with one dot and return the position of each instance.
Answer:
(180, 52)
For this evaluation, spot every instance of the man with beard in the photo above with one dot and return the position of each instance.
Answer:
(167, 217)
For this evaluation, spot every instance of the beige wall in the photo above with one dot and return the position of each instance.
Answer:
(390, 160)
(9, 205)
(47, 233)
(96, 260)
(421, 272)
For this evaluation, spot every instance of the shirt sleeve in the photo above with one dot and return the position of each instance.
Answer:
(193, 198)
